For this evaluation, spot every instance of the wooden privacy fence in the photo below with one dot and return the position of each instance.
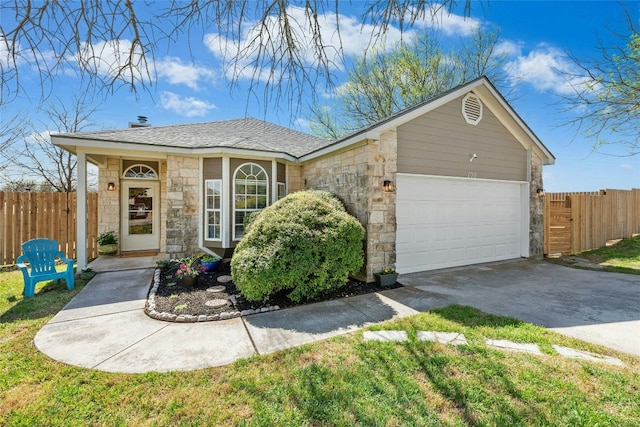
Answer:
(25, 216)
(576, 222)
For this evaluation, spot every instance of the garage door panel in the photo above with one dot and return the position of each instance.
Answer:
(445, 222)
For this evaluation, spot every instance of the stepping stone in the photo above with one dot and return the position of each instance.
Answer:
(585, 355)
(390, 336)
(515, 346)
(224, 279)
(217, 303)
(216, 289)
(453, 338)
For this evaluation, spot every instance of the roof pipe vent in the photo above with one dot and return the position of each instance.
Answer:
(141, 123)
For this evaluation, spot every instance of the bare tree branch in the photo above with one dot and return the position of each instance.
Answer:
(605, 103)
(382, 84)
(278, 45)
(45, 163)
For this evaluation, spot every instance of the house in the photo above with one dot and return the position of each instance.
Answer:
(453, 181)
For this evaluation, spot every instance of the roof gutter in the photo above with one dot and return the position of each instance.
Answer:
(108, 147)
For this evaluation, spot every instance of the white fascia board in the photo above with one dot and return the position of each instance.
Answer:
(550, 159)
(93, 146)
(430, 106)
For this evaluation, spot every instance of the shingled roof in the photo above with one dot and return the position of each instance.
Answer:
(246, 134)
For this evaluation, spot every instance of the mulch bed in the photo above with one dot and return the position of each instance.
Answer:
(207, 296)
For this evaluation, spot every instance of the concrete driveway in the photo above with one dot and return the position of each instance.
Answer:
(603, 308)
(104, 327)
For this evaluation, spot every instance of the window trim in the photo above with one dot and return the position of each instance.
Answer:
(140, 165)
(208, 209)
(234, 193)
(283, 194)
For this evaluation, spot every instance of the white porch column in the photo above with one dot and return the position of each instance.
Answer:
(274, 182)
(81, 213)
(226, 204)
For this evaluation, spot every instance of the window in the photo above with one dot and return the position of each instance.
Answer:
(213, 209)
(140, 171)
(250, 194)
(282, 190)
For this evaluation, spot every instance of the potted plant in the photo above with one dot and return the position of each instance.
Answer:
(386, 277)
(210, 262)
(189, 270)
(107, 243)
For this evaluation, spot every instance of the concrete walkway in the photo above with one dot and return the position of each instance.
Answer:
(104, 327)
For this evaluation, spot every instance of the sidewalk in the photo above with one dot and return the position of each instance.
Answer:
(104, 327)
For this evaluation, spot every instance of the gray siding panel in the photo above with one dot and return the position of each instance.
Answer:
(441, 143)
(212, 168)
(282, 172)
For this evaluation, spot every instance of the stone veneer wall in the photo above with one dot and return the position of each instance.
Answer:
(109, 201)
(295, 181)
(536, 210)
(356, 177)
(182, 206)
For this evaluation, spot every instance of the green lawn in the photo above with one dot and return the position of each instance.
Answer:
(623, 256)
(338, 382)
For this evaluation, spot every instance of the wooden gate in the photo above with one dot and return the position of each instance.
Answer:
(576, 222)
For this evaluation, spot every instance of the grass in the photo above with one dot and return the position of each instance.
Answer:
(338, 382)
(622, 257)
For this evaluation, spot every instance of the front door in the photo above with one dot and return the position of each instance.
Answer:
(140, 213)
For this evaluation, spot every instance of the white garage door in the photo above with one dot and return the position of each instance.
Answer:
(447, 222)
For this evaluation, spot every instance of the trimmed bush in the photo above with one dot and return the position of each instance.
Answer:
(306, 243)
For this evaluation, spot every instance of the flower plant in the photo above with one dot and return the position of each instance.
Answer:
(387, 270)
(189, 267)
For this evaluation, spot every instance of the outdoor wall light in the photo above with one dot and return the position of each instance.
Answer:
(387, 186)
(111, 186)
(540, 192)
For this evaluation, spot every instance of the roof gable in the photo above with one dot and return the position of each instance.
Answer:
(481, 87)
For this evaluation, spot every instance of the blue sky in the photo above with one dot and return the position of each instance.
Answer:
(191, 87)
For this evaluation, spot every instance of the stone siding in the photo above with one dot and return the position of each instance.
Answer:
(536, 210)
(356, 176)
(182, 210)
(109, 201)
(294, 178)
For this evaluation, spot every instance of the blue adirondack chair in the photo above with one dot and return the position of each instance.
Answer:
(41, 255)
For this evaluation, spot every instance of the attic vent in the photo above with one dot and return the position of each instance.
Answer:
(471, 109)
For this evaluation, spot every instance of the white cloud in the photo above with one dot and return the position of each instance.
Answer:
(547, 69)
(108, 58)
(185, 106)
(449, 23)
(353, 38)
(178, 72)
(37, 138)
(509, 48)
(626, 166)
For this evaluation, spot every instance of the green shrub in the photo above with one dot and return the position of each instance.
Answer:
(306, 243)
